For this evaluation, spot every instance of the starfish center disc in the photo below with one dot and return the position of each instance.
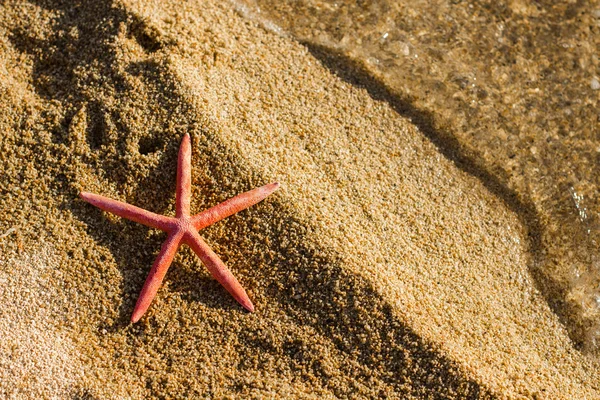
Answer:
(185, 224)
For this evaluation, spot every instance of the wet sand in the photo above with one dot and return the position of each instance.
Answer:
(381, 268)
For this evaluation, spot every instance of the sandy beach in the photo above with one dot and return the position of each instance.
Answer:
(398, 259)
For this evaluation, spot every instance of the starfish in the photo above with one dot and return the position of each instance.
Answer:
(184, 228)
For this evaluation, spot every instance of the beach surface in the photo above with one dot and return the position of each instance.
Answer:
(390, 264)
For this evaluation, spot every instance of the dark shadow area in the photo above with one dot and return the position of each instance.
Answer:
(147, 36)
(96, 126)
(465, 159)
(149, 145)
(81, 394)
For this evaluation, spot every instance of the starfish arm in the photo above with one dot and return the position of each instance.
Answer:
(232, 206)
(218, 269)
(184, 177)
(156, 275)
(129, 212)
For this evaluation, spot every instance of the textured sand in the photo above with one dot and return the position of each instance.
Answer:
(510, 90)
(380, 269)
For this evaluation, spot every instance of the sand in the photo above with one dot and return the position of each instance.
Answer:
(509, 91)
(382, 268)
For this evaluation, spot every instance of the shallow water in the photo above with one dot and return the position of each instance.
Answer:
(507, 90)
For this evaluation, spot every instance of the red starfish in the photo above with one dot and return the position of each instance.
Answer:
(184, 229)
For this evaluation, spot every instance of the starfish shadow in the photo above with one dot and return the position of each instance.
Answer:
(194, 286)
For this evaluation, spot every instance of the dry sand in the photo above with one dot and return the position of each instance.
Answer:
(380, 269)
